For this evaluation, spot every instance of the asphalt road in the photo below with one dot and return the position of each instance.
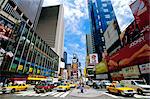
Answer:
(30, 94)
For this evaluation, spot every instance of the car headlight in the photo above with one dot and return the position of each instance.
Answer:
(125, 91)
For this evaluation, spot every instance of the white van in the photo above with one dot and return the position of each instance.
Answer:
(139, 85)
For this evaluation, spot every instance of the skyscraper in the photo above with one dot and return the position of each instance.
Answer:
(65, 59)
(51, 28)
(89, 47)
(101, 13)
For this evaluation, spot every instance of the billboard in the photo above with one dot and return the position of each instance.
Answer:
(140, 10)
(102, 76)
(93, 58)
(131, 72)
(101, 67)
(137, 52)
(75, 68)
(145, 68)
(111, 34)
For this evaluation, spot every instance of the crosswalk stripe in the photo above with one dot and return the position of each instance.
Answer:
(46, 94)
(64, 95)
(54, 93)
(57, 95)
(111, 95)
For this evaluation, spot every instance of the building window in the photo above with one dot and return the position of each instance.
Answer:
(97, 11)
(107, 16)
(105, 10)
(99, 23)
(108, 22)
(104, 4)
(101, 30)
(98, 17)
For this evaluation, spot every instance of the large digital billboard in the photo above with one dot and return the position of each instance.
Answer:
(93, 58)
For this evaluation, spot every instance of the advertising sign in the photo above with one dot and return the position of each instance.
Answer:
(111, 34)
(20, 67)
(130, 72)
(93, 58)
(134, 53)
(145, 68)
(101, 67)
(102, 76)
(117, 75)
(140, 10)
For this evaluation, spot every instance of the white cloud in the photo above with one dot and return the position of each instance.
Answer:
(51, 2)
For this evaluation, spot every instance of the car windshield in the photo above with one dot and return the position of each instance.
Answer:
(63, 84)
(41, 84)
(140, 82)
(107, 81)
(119, 86)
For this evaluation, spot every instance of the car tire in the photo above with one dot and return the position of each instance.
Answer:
(13, 91)
(25, 89)
(140, 92)
(4, 92)
(37, 92)
(108, 91)
(44, 91)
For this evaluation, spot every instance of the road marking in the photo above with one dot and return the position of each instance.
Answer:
(111, 95)
(140, 96)
(48, 93)
(54, 93)
(64, 95)
(59, 94)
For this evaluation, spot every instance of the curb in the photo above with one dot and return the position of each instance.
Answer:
(86, 96)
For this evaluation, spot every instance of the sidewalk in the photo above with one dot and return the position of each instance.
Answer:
(88, 92)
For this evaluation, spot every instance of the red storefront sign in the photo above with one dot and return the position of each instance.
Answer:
(137, 52)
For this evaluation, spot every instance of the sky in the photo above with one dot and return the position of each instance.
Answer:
(77, 23)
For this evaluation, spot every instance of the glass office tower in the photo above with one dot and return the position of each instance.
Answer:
(101, 13)
(22, 51)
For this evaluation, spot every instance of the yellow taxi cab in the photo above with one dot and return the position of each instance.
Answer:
(63, 87)
(72, 85)
(120, 89)
(11, 88)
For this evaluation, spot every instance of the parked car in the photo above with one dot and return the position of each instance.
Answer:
(63, 87)
(97, 85)
(89, 83)
(43, 87)
(11, 88)
(105, 83)
(139, 85)
(72, 85)
(57, 84)
(120, 89)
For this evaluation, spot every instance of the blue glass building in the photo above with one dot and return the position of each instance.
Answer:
(101, 14)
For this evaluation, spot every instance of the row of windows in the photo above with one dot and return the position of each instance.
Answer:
(26, 49)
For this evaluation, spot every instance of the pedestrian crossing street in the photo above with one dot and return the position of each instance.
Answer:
(33, 93)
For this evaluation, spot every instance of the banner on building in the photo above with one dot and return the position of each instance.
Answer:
(101, 67)
(140, 10)
(137, 52)
(93, 58)
(131, 72)
(145, 68)
(102, 76)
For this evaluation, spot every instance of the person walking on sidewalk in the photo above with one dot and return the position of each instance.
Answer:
(81, 88)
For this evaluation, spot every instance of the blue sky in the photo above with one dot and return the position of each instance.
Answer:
(77, 23)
